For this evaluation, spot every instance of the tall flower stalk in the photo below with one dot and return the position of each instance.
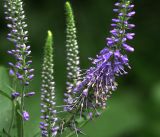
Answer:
(100, 80)
(49, 118)
(20, 70)
(72, 50)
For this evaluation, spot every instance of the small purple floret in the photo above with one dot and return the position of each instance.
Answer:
(25, 115)
(29, 94)
(15, 95)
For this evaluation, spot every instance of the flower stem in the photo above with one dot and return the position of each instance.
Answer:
(72, 133)
(12, 117)
(19, 112)
(22, 109)
(19, 119)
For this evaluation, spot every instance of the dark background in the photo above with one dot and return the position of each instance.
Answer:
(134, 109)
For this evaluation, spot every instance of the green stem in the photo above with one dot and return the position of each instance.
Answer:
(12, 118)
(70, 119)
(18, 118)
(19, 113)
(22, 109)
(82, 125)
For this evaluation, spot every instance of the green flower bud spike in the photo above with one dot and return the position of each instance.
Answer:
(49, 118)
(72, 50)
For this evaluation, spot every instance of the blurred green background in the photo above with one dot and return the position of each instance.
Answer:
(134, 109)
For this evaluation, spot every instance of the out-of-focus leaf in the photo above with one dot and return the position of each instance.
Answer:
(121, 116)
(5, 133)
(37, 134)
(4, 80)
(156, 94)
(5, 103)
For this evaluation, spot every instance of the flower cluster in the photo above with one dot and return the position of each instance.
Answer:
(99, 80)
(18, 35)
(20, 70)
(49, 119)
(73, 69)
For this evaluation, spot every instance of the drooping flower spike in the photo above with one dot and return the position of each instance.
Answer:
(100, 80)
(48, 124)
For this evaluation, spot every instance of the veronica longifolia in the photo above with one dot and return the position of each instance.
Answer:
(72, 50)
(20, 70)
(100, 80)
(19, 36)
(49, 119)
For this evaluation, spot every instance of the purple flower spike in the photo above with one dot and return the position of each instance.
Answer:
(19, 69)
(19, 36)
(111, 62)
(25, 115)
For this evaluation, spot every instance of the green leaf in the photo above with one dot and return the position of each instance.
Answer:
(37, 134)
(122, 115)
(5, 133)
(4, 80)
(5, 95)
(156, 94)
(5, 103)
(80, 120)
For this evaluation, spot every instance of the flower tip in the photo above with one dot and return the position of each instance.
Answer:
(68, 7)
(67, 4)
(49, 33)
